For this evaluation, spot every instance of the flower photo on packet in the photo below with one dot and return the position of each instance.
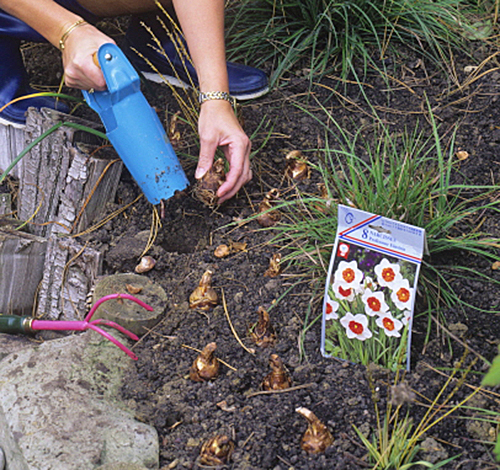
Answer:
(370, 289)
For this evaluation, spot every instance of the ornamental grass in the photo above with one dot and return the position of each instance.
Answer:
(322, 36)
(408, 177)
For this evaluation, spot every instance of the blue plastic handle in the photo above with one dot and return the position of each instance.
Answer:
(134, 129)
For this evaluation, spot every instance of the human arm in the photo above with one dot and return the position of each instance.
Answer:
(202, 23)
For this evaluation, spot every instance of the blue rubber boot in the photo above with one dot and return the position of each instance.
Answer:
(244, 82)
(14, 81)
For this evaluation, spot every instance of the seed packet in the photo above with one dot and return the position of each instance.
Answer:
(370, 289)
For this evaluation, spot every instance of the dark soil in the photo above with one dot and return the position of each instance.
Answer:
(266, 428)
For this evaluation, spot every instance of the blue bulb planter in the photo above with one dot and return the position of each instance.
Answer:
(134, 129)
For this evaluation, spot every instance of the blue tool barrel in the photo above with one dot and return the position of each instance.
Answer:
(134, 129)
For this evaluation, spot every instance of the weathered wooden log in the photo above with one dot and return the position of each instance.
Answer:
(62, 188)
(69, 274)
(12, 142)
(22, 258)
(5, 204)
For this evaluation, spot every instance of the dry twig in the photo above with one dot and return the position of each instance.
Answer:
(249, 350)
(272, 392)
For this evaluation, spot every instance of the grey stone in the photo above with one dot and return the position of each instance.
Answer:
(128, 314)
(60, 408)
(432, 451)
(458, 329)
(10, 344)
(11, 452)
(2, 459)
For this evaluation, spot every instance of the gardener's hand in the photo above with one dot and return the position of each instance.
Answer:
(219, 127)
(80, 70)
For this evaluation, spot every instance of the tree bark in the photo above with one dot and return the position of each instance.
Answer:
(70, 272)
(12, 142)
(22, 258)
(62, 191)
(62, 188)
(5, 204)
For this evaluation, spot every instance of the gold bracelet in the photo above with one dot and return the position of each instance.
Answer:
(216, 95)
(68, 32)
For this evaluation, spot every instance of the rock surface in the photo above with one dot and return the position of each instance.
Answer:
(60, 407)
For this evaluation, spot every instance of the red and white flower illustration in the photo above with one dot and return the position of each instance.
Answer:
(368, 283)
(389, 324)
(402, 295)
(356, 326)
(374, 303)
(387, 273)
(348, 274)
(331, 307)
(343, 292)
(406, 317)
